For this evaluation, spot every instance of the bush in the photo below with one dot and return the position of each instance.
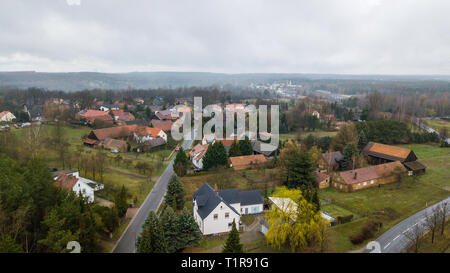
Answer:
(367, 231)
(344, 219)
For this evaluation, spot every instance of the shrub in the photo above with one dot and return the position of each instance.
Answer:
(367, 231)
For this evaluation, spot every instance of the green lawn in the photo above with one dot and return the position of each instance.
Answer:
(303, 135)
(393, 202)
(437, 124)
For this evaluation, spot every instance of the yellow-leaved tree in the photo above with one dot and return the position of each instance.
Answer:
(293, 221)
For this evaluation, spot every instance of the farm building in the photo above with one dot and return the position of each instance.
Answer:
(323, 180)
(362, 178)
(330, 161)
(378, 153)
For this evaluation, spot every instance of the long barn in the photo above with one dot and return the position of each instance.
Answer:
(378, 153)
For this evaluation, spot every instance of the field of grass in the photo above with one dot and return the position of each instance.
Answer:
(335, 211)
(303, 135)
(393, 202)
(437, 124)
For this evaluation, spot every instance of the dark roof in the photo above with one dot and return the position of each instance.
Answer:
(156, 142)
(231, 196)
(332, 158)
(415, 165)
(264, 148)
(250, 197)
(207, 199)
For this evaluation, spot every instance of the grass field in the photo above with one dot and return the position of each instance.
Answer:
(393, 202)
(303, 135)
(441, 243)
(437, 124)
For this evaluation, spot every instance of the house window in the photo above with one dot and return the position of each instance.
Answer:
(365, 183)
(359, 185)
(339, 179)
(216, 216)
(230, 225)
(227, 215)
(340, 186)
(335, 185)
(371, 182)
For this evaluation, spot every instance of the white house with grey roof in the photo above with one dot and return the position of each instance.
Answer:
(215, 210)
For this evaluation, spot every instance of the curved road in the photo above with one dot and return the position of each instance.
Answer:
(394, 240)
(127, 242)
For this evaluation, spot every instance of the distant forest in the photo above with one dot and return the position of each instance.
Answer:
(345, 84)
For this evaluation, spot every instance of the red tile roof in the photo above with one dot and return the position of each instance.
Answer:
(66, 181)
(166, 126)
(372, 172)
(93, 113)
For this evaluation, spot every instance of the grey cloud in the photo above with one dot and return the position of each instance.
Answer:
(321, 36)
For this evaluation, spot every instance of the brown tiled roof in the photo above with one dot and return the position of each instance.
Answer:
(197, 149)
(115, 144)
(126, 116)
(65, 181)
(106, 118)
(245, 161)
(144, 130)
(117, 112)
(114, 132)
(226, 142)
(321, 176)
(372, 172)
(93, 113)
(388, 150)
(166, 126)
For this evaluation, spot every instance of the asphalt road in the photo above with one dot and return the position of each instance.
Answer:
(393, 240)
(127, 241)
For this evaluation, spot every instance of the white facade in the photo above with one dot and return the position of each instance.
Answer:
(220, 220)
(104, 108)
(85, 187)
(141, 139)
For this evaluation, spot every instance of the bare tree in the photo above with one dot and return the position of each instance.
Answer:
(432, 221)
(415, 235)
(443, 211)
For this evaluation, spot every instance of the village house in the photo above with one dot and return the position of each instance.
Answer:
(214, 210)
(371, 176)
(124, 117)
(312, 112)
(166, 126)
(91, 115)
(247, 161)
(323, 180)
(196, 155)
(142, 134)
(71, 180)
(115, 145)
(265, 149)
(7, 116)
(330, 161)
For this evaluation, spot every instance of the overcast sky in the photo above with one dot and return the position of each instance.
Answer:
(232, 36)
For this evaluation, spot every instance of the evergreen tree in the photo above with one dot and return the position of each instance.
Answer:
(301, 169)
(234, 149)
(233, 244)
(181, 162)
(315, 200)
(188, 232)
(9, 245)
(175, 193)
(121, 201)
(152, 239)
(350, 152)
(245, 146)
(222, 156)
(362, 140)
(169, 224)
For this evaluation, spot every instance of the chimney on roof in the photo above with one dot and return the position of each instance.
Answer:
(215, 187)
(356, 174)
